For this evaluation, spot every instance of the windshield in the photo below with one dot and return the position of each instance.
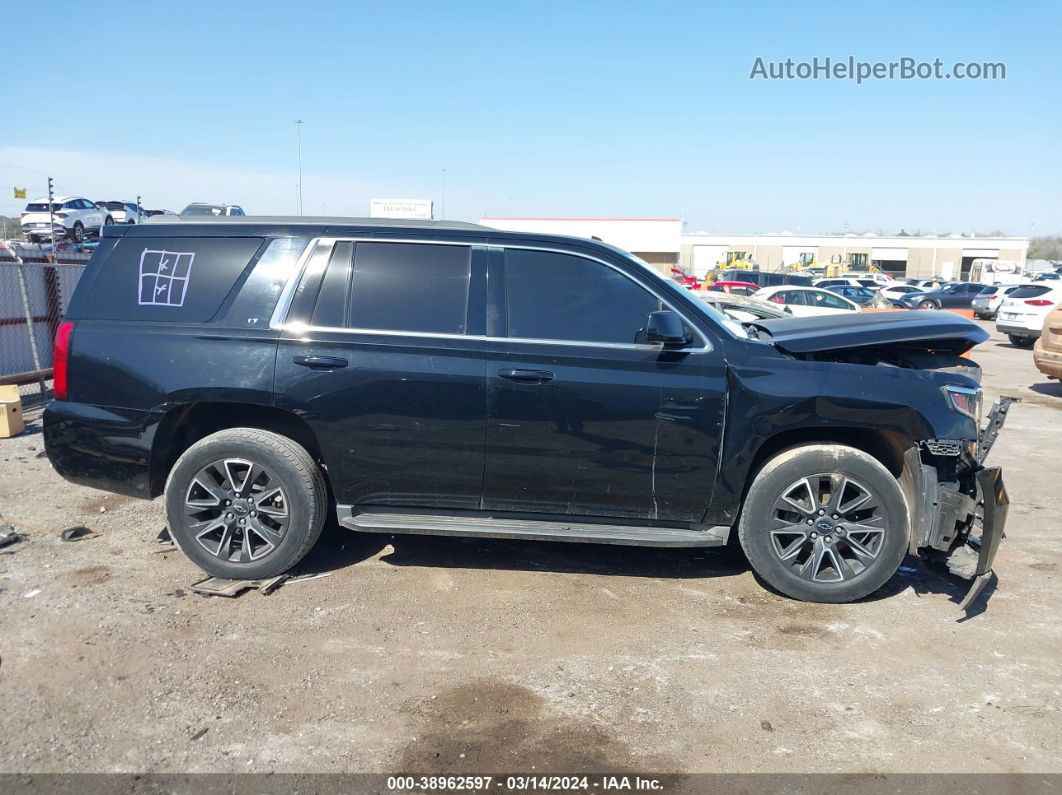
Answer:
(39, 207)
(111, 205)
(988, 291)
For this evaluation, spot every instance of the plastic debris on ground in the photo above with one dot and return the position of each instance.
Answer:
(77, 533)
(218, 586)
(7, 534)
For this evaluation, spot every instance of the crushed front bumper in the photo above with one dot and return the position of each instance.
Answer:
(964, 509)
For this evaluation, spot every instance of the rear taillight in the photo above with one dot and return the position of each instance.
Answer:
(61, 358)
(1038, 302)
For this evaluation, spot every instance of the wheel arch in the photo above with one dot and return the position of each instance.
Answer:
(184, 425)
(888, 447)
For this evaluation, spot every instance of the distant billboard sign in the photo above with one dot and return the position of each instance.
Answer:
(415, 209)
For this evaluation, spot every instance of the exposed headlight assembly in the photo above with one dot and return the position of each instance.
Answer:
(965, 400)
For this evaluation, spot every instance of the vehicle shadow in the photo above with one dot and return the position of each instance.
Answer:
(929, 578)
(1048, 388)
(339, 548)
(564, 558)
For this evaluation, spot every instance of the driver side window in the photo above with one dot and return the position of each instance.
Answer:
(554, 296)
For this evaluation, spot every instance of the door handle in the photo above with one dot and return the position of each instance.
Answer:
(526, 376)
(320, 362)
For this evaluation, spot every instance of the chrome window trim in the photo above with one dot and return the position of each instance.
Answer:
(299, 328)
(278, 321)
(706, 344)
(280, 311)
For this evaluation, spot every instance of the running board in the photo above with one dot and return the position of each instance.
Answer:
(534, 530)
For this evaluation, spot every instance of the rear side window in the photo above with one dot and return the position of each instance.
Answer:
(564, 297)
(176, 279)
(1032, 291)
(410, 287)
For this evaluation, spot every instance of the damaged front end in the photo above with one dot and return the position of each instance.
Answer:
(957, 506)
(963, 509)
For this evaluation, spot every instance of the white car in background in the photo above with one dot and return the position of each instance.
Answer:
(197, 209)
(879, 279)
(806, 301)
(122, 212)
(75, 217)
(894, 292)
(986, 303)
(1021, 315)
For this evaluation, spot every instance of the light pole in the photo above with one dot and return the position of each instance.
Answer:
(298, 127)
(442, 204)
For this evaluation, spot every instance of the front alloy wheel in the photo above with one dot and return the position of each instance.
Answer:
(236, 510)
(824, 523)
(827, 528)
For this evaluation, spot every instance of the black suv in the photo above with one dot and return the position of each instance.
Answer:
(447, 378)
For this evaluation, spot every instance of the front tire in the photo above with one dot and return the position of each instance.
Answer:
(245, 503)
(824, 523)
(1020, 342)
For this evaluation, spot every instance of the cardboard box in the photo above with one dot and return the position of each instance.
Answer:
(10, 412)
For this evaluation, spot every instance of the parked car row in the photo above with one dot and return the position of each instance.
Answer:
(78, 218)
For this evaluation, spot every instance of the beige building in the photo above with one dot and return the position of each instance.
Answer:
(947, 256)
(663, 243)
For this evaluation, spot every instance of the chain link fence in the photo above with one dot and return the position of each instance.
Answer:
(34, 294)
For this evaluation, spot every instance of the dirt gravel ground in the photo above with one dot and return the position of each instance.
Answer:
(443, 655)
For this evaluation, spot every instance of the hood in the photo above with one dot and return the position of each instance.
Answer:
(935, 330)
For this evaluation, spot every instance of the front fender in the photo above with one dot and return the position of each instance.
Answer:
(773, 397)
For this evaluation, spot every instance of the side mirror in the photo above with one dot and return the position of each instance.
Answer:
(666, 328)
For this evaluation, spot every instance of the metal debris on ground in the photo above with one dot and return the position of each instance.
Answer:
(77, 533)
(218, 586)
(305, 577)
(8, 535)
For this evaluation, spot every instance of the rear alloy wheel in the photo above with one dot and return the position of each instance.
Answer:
(245, 503)
(927, 305)
(1020, 342)
(78, 232)
(824, 523)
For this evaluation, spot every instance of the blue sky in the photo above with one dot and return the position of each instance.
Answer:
(545, 108)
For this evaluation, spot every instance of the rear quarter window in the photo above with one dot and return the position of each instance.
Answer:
(171, 279)
(1029, 292)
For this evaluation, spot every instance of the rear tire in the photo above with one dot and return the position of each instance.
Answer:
(927, 305)
(1020, 342)
(855, 555)
(78, 233)
(236, 529)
